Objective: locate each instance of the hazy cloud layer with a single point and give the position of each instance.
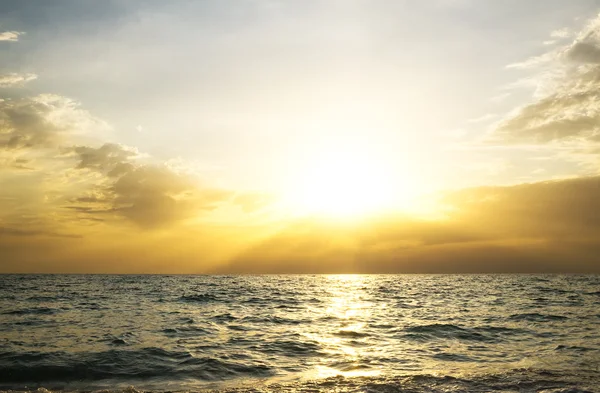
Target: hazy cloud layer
(547, 226)
(6, 231)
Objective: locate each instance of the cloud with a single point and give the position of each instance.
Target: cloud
(110, 181)
(15, 163)
(6, 231)
(10, 35)
(42, 121)
(558, 35)
(483, 118)
(536, 61)
(13, 79)
(553, 210)
(110, 158)
(561, 33)
(251, 202)
(154, 196)
(150, 196)
(586, 47)
(584, 52)
(569, 110)
(500, 97)
(546, 226)
(572, 111)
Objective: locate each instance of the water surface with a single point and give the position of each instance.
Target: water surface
(300, 333)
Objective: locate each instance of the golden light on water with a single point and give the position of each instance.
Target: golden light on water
(347, 305)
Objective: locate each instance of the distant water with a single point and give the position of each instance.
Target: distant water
(389, 333)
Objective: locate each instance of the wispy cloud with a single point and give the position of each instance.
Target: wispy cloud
(537, 61)
(561, 33)
(569, 110)
(483, 118)
(14, 79)
(10, 35)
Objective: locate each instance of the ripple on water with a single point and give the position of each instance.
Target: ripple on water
(198, 298)
(536, 317)
(445, 331)
(33, 311)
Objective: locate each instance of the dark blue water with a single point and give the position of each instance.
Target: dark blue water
(405, 333)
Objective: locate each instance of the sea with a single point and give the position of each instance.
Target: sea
(300, 333)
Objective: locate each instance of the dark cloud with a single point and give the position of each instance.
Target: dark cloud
(586, 48)
(153, 196)
(24, 124)
(110, 158)
(584, 52)
(90, 199)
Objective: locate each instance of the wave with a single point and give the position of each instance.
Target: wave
(32, 367)
(186, 331)
(351, 334)
(453, 357)
(511, 380)
(273, 319)
(198, 298)
(122, 340)
(288, 348)
(34, 311)
(444, 331)
(226, 317)
(536, 317)
(573, 348)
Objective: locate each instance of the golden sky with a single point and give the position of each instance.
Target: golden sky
(300, 137)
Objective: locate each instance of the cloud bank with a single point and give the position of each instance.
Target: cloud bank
(547, 226)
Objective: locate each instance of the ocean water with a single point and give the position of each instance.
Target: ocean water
(296, 333)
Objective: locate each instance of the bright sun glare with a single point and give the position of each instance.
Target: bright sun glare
(342, 182)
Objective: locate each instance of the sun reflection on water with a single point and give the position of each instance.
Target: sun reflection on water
(341, 341)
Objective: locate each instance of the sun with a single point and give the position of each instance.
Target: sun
(341, 182)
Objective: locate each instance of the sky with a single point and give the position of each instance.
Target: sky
(440, 136)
